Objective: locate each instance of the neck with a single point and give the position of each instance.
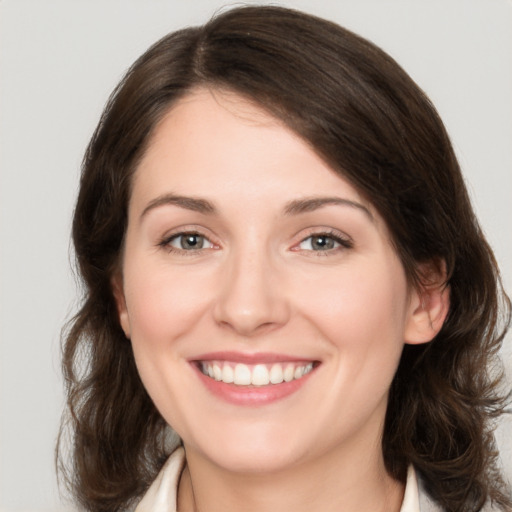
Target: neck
(330, 482)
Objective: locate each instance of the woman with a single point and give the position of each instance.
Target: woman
(282, 264)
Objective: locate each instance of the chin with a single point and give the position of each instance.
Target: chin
(246, 459)
(251, 451)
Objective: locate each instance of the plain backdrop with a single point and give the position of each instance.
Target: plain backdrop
(59, 61)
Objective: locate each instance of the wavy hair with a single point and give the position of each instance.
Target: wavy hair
(366, 117)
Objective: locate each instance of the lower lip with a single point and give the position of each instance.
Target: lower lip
(252, 395)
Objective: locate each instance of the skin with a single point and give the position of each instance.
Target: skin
(258, 285)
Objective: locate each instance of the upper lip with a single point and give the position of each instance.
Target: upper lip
(251, 358)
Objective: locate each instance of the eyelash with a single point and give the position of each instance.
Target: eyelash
(166, 243)
(342, 241)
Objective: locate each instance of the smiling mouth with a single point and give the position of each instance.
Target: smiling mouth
(241, 374)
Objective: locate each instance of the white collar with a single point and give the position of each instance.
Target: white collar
(162, 495)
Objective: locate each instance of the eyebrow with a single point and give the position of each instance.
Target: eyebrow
(189, 203)
(310, 204)
(294, 207)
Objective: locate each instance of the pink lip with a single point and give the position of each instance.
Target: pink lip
(250, 395)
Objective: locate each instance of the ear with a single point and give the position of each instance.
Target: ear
(429, 305)
(122, 312)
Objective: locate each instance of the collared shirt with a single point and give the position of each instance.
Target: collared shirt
(162, 495)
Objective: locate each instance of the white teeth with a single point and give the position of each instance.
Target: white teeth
(217, 372)
(257, 375)
(228, 375)
(242, 375)
(260, 376)
(276, 374)
(289, 373)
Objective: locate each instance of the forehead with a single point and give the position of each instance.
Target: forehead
(214, 124)
(211, 135)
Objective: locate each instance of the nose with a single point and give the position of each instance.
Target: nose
(251, 298)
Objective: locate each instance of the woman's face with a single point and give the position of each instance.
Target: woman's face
(264, 301)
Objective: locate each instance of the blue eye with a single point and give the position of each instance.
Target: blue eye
(188, 242)
(323, 242)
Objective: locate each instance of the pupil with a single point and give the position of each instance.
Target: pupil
(191, 241)
(322, 242)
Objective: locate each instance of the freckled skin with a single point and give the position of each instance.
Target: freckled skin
(259, 284)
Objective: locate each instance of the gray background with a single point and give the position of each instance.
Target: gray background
(60, 60)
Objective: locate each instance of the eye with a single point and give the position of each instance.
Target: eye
(188, 242)
(323, 242)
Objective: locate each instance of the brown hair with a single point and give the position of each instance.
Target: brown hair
(366, 117)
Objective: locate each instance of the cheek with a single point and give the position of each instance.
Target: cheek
(361, 309)
(163, 302)
(164, 306)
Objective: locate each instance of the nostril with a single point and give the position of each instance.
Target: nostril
(247, 327)
(247, 321)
